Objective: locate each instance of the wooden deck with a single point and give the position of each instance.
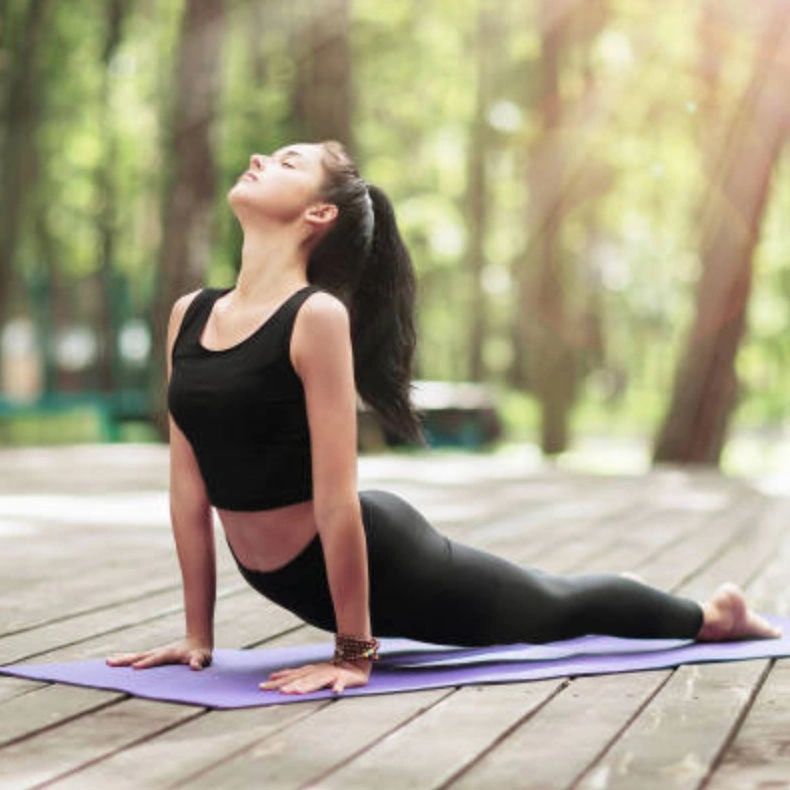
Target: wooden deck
(89, 568)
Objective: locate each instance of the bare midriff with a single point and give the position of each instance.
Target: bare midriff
(266, 540)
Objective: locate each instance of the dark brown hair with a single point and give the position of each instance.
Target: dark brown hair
(363, 260)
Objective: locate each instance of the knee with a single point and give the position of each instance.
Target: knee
(569, 599)
(546, 613)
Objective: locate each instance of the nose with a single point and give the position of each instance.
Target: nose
(256, 160)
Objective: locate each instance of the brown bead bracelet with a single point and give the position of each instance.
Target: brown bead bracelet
(350, 648)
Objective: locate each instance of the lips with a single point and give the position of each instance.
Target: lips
(250, 176)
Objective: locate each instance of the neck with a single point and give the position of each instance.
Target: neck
(272, 264)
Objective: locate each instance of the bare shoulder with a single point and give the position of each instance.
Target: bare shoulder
(322, 326)
(182, 303)
(174, 323)
(322, 311)
(179, 308)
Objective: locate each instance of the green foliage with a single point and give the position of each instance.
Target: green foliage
(630, 251)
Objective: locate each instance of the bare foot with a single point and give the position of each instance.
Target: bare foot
(727, 616)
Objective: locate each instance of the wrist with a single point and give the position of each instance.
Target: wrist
(365, 664)
(351, 648)
(200, 641)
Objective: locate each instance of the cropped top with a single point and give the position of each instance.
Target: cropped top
(242, 408)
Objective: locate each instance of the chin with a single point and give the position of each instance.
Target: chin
(235, 195)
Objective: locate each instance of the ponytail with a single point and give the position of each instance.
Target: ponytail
(382, 324)
(364, 261)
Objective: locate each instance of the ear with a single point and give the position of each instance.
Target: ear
(319, 215)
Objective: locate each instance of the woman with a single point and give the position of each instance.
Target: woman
(263, 428)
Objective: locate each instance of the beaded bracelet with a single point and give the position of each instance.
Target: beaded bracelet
(350, 648)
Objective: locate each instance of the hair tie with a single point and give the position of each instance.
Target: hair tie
(369, 218)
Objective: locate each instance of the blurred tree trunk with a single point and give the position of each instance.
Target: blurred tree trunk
(259, 15)
(21, 114)
(53, 378)
(106, 208)
(559, 180)
(187, 213)
(705, 386)
(714, 34)
(323, 98)
(591, 180)
(549, 360)
(476, 197)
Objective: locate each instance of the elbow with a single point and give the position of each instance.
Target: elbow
(187, 492)
(190, 509)
(338, 515)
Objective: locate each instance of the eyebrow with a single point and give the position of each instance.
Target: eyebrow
(290, 151)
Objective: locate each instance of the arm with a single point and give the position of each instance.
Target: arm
(190, 515)
(323, 358)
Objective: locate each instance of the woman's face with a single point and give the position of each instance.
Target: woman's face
(280, 185)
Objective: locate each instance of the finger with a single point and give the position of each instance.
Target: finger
(148, 661)
(285, 676)
(196, 662)
(125, 658)
(273, 684)
(339, 683)
(122, 656)
(316, 681)
(281, 683)
(293, 688)
(288, 670)
(290, 674)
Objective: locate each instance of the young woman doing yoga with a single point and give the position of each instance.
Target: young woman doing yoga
(263, 428)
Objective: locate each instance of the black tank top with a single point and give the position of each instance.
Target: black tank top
(242, 409)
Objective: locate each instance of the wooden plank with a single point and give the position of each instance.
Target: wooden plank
(531, 743)
(112, 578)
(273, 766)
(249, 739)
(646, 544)
(22, 762)
(86, 569)
(397, 744)
(49, 706)
(116, 722)
(92, 580)
(15, 687)
(678, 736)
(242, 616)
(389, 706)
(39, 641)
(388, 757)
(212, 731)
(759, 757)
(102, 586)
(74, 743)
(26, 715)
(657, 513)
(758, 753)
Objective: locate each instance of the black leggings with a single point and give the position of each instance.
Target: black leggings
(425, 586)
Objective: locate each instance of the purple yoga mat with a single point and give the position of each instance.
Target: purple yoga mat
(404, 665)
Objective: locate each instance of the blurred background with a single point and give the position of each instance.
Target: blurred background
(594, 194)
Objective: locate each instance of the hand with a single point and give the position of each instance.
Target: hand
(315, 676)
(184, 651)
